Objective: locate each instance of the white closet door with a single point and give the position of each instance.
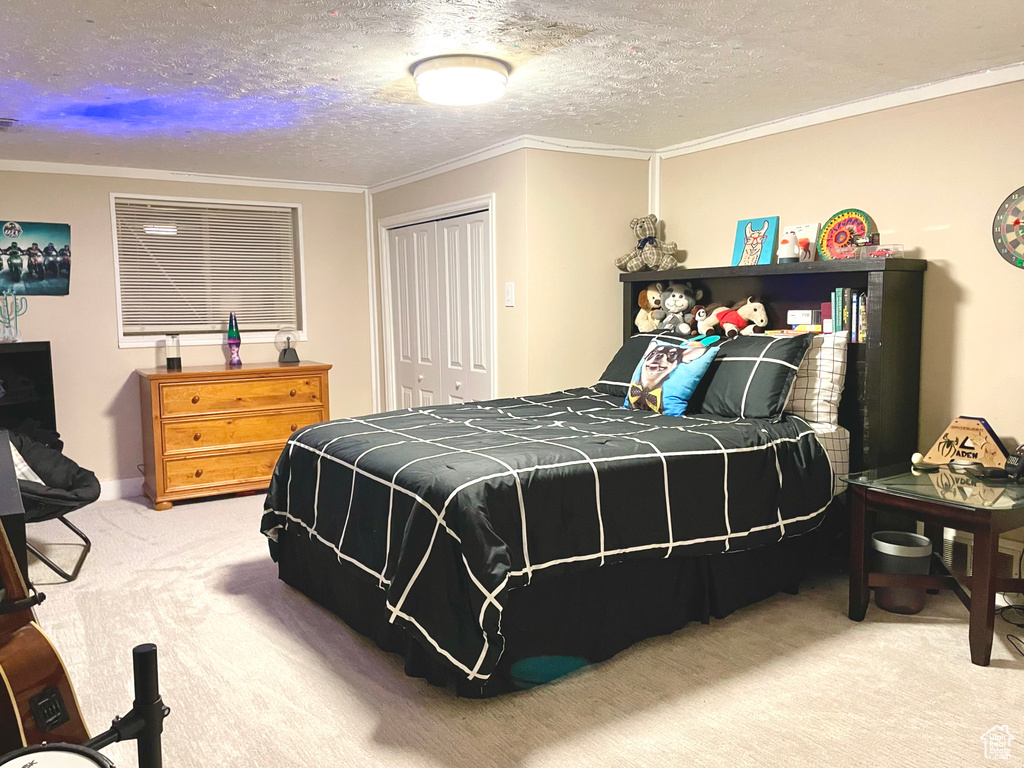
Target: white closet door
(441, 292)
(412, 253)
(465, 299)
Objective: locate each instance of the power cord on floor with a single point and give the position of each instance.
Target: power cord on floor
(1016, 642)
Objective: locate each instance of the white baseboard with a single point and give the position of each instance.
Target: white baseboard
(124, 488)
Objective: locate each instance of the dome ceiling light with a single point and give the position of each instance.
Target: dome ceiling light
(460, 80)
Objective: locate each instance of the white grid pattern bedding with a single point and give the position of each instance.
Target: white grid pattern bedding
(447, 508)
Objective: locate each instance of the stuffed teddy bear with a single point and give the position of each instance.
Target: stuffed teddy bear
(677, 304)
(650, 253)
(650, 302)
(745, 318)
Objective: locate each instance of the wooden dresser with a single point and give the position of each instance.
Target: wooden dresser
(210, 430)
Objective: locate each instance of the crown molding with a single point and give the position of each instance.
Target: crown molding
(514, 145)
(78, 169)
(949, 87)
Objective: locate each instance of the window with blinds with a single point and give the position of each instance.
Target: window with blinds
(182, 266)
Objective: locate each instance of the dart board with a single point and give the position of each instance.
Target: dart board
(1008, 229)
(838, 237)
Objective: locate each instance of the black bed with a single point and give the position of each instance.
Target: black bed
(468, 536)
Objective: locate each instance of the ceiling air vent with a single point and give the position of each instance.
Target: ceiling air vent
(8, 124)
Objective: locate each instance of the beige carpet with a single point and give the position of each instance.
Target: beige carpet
(257, 675)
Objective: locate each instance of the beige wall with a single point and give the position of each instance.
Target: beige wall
(931, 175)
(560, 220)
(578, 212)
(504, 177)
(95, 385)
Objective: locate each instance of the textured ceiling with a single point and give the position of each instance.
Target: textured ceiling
(319, 90)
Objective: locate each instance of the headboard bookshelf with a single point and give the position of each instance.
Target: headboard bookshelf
(880, 401)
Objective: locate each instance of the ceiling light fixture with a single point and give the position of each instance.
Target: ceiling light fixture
(460, 80)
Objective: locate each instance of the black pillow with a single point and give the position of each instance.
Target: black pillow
(750, 377)
(616, 377)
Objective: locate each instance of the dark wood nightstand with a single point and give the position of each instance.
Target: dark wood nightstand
(985, 508)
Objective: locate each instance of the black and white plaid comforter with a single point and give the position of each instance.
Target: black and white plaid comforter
(449, 507)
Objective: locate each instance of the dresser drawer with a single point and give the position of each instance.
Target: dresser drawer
(223, 469)
(239, 395)
(185, 435)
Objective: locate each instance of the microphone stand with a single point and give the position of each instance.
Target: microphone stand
(145, 721)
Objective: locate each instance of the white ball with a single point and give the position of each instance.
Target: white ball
(917, 458)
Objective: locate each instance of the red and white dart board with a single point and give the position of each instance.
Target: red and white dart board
(1008, 229)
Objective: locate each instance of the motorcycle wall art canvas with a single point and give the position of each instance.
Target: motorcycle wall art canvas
(35, 258)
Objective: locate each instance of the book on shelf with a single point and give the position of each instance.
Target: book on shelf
(854, 315)
(862, 321)
(849, 312)
(847, 309)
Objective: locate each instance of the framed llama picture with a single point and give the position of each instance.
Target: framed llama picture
(756, 241)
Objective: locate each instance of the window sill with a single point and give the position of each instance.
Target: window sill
(200, 339)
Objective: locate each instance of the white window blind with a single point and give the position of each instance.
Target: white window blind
(183, 266)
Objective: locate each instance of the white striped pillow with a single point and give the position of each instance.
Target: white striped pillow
(820, 379)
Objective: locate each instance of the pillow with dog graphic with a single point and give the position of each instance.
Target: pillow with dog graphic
(668, 373)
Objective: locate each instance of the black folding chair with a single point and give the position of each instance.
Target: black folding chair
(65, 488)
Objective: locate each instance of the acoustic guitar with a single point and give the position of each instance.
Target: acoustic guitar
(37, 702)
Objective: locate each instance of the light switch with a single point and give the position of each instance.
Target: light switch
(510, 294)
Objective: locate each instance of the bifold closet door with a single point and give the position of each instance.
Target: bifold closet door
(415, 334)
(466, 296)
(442, 294)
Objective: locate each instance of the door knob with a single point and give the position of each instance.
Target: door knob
(458, 385)
(420, 377)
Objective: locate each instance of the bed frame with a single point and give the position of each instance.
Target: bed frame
(580, 614)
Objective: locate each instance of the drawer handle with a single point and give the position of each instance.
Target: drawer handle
(197, 436)
(199, 473)
(294, 427)
(292, 393)
(195, 399)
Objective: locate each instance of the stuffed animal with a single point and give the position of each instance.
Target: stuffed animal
(746, 317)
(650, 253)
(650, 302)
(677, 304)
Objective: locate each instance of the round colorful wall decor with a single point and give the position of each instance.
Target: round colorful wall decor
(1008, 229)
(839, 235)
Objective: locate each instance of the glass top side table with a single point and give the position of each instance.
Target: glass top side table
(943, 498)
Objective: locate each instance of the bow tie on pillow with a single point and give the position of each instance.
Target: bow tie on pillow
(643, 400)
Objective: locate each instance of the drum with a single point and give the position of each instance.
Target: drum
(55, 756)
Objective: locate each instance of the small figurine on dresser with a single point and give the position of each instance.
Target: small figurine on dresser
(234, 341)
(650, 252)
